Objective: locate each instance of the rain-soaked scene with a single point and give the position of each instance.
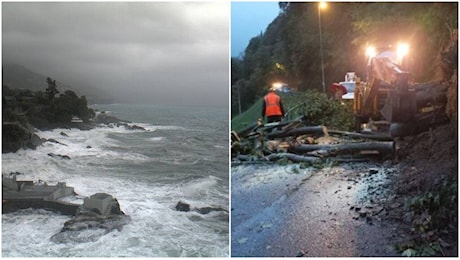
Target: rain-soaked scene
(344, 130)
(115, 129)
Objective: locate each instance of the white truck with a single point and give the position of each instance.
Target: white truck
(350, 85)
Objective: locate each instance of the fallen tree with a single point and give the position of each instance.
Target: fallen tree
(294, 132)
(383, 148)
(297, 142)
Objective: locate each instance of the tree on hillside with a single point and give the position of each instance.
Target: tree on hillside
(51, 91)
(68, 105)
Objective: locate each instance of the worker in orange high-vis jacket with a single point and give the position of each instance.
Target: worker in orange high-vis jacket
(272, 107)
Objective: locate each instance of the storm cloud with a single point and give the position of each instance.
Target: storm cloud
(138, 51)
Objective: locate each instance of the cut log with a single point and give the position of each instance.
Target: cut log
(244, 157)
(370, 136)
(313, 130)
(430, 93)
(383, 148)
(252, 127)
(282, 125)
(292, 157)
(420, 124)
(296, 158)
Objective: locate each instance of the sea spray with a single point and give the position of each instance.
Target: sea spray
(182, 155)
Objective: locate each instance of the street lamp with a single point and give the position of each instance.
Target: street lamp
(239, 97)
(321, 5)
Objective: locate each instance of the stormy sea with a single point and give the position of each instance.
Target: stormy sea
(182, 155)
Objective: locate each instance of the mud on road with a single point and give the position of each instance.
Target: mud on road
(292, 211)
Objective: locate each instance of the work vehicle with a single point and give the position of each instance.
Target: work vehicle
(350, 85)
(386, 93)
(345, 90)
(281, 87)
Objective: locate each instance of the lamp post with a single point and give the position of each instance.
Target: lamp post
(239, 97)
(321, 5)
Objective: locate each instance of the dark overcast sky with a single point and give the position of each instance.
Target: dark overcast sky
(141, 52)
(248, 20)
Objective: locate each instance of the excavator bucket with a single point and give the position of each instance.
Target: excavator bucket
(400, 106)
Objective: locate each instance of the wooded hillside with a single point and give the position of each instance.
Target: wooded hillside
(289, 50)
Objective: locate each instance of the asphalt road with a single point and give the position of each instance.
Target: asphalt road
(286, 211)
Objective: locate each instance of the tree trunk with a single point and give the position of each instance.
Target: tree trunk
(370, 136)
(420, 124)
(296, 158)
(382, 148)
(314, 130)
(292, 157)
(430, 93)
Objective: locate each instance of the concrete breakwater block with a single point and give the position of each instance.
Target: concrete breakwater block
(99, 215)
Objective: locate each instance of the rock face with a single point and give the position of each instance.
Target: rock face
(108, 120)
(105, 119)
(65, 157)
(182, 206)
(15, 136)
(99, 215)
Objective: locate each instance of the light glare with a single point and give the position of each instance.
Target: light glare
(277, 85)
(403, 49)
(322, 5)
(370, 52)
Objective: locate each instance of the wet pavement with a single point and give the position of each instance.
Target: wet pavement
(289, 211)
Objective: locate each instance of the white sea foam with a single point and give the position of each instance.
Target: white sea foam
(100, 163)
(156, 228)
(150, 127)
(157, 138)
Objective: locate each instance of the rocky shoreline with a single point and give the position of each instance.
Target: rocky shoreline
(17, 135)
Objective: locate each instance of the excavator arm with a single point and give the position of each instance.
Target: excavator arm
(386, 94)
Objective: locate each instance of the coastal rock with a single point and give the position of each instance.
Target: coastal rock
(105, 119)
(132, 127)
(82, 126)
(181, 206)
(65, 157)
(34, 141)
(108, 120)
(52, 140)
(185, 207)
(99, 215)
(16, 136)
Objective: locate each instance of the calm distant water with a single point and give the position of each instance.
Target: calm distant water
(183, 155)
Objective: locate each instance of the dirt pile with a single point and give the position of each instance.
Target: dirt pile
(428, 183)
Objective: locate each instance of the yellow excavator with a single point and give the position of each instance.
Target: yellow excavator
(388, 94)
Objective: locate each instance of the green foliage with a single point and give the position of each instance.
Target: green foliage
(436, 207)
(429, 214)
(320, 110)
(409, 252)
(42, 108)
(248, 117)
(283, 161)
(317, 107)
(51, 90)
(428, 249)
